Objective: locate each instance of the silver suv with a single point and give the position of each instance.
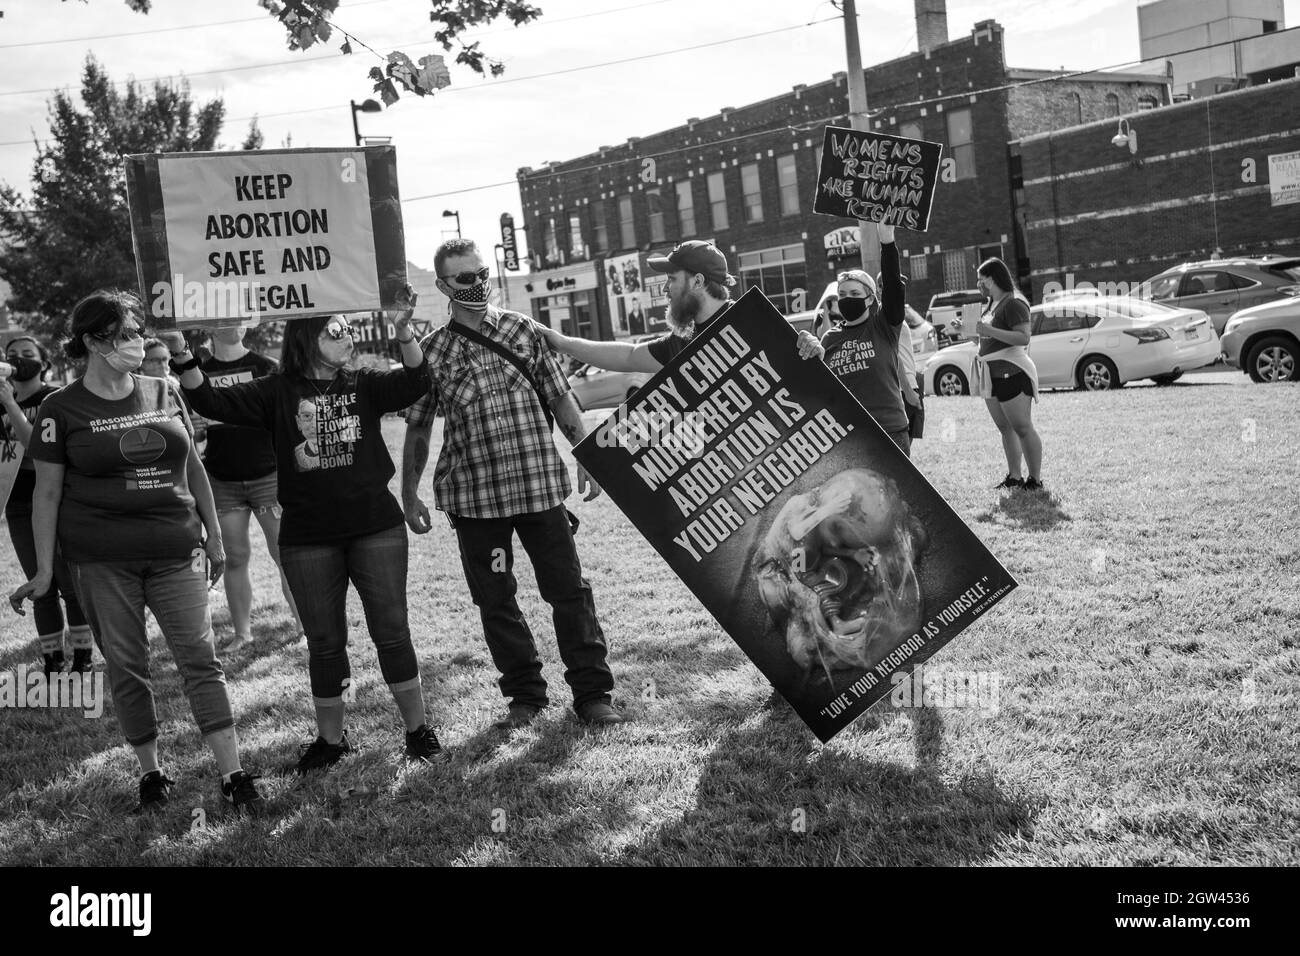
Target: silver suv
(1220, 287)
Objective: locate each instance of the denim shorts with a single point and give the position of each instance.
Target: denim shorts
(258, 496)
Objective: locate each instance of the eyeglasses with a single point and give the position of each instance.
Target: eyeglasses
(469, 278)
(336, 332)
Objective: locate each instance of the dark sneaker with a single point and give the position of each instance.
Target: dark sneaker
(1033, 484)
(519, 715)
(81, 660)
(320, 755)
(422, 744)
(1009, 482)
(154, 788)
(598, 713)
(241, 795)
(53, 663)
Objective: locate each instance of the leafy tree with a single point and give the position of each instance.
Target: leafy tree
(73, 234)
(307, 22)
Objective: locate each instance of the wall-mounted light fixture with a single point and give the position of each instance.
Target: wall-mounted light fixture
(1125, 135)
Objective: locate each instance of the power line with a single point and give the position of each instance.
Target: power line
(141, 33)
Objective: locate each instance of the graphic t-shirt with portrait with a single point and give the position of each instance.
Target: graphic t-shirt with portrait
(24, 482)
(126, 495)
(333, 466)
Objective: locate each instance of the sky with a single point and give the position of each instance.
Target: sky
(462, 147)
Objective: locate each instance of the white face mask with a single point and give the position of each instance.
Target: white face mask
(126, 357)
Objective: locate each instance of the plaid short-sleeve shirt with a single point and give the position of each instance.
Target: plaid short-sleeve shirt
(498, 458)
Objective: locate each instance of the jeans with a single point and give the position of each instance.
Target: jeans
(114, 595)
(487, 556)
(48, 617)
(318, 576)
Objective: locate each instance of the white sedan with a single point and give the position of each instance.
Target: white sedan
(1094, 343)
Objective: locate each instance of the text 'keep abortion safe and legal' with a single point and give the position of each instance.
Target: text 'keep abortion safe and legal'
(722, 438)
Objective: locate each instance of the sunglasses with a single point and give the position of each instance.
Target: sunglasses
(336, 332)
(121, 335)
(469, 278)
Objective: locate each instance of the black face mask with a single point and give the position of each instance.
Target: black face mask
(25, 369)
(853, 309)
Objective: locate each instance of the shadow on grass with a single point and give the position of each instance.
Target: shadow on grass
(1026, 511)
(770, 795)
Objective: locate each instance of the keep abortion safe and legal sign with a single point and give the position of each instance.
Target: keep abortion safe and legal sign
(272, 234)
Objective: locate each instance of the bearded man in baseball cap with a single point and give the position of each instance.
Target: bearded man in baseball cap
(698, 289)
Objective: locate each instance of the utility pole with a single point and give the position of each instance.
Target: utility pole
(868, 244)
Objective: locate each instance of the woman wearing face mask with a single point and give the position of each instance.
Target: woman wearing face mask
(863, 348)
(20, 395)
(119, 482)
(1005, 375)
(340, 523)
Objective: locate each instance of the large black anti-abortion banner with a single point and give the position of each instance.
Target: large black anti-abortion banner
(793, 517)
(268, 234)
(877, 177)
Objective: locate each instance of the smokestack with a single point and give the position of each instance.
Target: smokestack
(931, 24)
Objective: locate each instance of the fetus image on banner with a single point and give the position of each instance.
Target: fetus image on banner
(837, 572)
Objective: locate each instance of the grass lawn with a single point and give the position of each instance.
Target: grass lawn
(1149, 666)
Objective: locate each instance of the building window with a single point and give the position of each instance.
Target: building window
(599, 230)
(577, 248)
(910, 130)
(718, 201)
(787, 182)
(626, 224)
(960, 146)
(919, 266)
(752, 192)
(655, 206)
(1076, 108)
(552, 245)
(1112, 104)
(780, 273)
(956, 273)
(685, 209)
(1147, 103)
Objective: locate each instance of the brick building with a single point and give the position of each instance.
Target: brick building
(746, 176)
(1198, 180)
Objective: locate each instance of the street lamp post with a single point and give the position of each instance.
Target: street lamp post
(499, 258)
(868, 244)
(368, 106)
(453, 212)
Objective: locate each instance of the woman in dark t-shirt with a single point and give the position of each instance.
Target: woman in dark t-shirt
(119, 482)
(240, 462)
(20, 396)
(340, 522)
(862, 349)
(1005, 374)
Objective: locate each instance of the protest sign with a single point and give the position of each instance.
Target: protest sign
(11, 459)
(270, 234)
(792, 516)
(877, 177)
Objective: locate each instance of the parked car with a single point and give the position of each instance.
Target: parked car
(925, 339)
(1220, 287)
(802, 321)
(599, 388)
(1264, 341)
(1094, 343)
(949, 310)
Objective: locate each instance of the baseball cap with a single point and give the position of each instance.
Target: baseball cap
(695, 255)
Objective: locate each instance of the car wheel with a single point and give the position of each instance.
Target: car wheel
(1167, 379)
(949, 380)
(1273, 360)
(1097, 374)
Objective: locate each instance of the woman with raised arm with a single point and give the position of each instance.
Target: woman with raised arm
(340, 522)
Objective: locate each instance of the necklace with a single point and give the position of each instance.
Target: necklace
(328, 388)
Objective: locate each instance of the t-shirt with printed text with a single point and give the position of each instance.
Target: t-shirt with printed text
(126, 494)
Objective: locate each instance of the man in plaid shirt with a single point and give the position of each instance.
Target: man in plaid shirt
(500, 474)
